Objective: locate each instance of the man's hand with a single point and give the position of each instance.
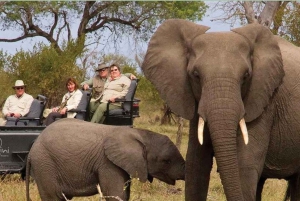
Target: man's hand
(85, 86)
(54, 109)
(17, 115)
(132, 77)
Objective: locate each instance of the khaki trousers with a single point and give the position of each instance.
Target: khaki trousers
(98, 116)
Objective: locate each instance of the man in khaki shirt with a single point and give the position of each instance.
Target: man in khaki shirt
(17, 105)
(116, 86)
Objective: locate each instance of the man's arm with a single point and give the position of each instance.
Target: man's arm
(130, 76)
(87, 83)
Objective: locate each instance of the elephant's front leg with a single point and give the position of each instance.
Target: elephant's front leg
(198, 164)
(114, 183)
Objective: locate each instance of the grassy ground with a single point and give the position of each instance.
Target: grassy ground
(13, 189)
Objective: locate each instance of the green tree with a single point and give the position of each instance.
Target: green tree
(288, 20)
(51, 19)
(282, 17)
(6, 80)
(71, 27)
(43, 70)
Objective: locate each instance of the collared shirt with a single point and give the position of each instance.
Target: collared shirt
(14, 104)
(73, 99)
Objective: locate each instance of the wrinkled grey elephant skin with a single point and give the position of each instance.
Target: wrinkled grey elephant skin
(226, 80)
(71, 157)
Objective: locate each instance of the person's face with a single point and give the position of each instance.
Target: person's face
(103, 72)
(114, 71)
(20, 90)
(71, 86)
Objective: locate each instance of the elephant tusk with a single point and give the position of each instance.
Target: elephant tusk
(200, 130)
(244, 130)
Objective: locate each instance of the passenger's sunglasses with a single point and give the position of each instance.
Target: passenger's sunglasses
(102, 70)
(112, 70)
(18, 88)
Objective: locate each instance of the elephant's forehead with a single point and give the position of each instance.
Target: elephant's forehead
(219, 47)
(229, 41)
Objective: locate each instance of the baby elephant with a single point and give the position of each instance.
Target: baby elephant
(71, 157)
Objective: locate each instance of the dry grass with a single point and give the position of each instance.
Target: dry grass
(13, 189)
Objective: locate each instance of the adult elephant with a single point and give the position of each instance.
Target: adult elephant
(71, 157)
(220, 81)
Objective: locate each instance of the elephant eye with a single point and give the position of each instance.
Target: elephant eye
(246, 75)
(196, 74)
(167, 161)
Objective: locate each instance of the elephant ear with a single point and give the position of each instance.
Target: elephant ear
(129, 153)
(267, 72)
(166, 60)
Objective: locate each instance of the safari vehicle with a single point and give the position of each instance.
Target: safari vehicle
(18, 135)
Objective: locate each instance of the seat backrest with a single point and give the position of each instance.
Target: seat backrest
(83, 105)
(130, 95)
(84, 100)
(36, 109)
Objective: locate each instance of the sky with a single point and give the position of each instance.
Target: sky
(126, 48)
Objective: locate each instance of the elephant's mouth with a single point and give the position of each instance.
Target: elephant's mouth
(150, 178)
(164, 178)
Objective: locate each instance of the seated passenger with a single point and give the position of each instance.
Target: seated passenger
(70, 101)
(17, 105)
(116, 86)
(97, 85)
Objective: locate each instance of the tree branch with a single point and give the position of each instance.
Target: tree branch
(249, 12)
(267, 15)
(19, 38)
(54, 23)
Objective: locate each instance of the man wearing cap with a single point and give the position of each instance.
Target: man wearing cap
(97, 85)
(17, 105)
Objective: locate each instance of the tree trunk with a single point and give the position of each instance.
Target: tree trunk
(249, 12)
(267, 15)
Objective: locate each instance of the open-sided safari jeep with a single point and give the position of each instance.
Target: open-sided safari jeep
(18, 135)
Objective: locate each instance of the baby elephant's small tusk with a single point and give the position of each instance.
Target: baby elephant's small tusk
(244, 130)
(200, 130)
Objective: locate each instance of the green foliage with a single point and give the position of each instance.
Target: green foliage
(43, 70)
(5, 79)
(291, 18)
(49, 19)
(54, 19)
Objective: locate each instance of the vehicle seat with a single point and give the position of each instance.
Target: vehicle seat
(34, 116)
(129, 110)
(82, 108)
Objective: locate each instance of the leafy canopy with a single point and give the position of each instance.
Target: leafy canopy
(87, 22)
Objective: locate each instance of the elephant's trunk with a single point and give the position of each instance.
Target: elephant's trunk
(222, 108)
